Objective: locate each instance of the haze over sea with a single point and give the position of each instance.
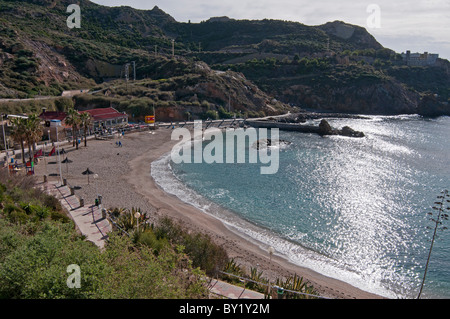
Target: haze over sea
(350, 208)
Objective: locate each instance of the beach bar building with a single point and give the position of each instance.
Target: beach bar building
(106, 118)
(103, 118)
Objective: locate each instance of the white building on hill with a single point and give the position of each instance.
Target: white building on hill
(420, 59)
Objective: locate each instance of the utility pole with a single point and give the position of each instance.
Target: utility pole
(134, 70)
(156, 51)
(173, 48)
(328, 46)
(127, 74)
(199, 47)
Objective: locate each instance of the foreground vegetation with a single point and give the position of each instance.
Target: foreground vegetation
(38, 242)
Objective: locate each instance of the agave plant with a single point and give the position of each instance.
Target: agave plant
(297, 284)
(232, 267)
(256, 277)
(126, 219)
(441, 207)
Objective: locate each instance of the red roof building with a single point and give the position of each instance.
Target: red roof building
(48, 116)
(102, 117)
(54, 116)
(107, 117)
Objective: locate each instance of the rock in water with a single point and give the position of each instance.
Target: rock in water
(325, 128)
(430, 106)
(348, 131)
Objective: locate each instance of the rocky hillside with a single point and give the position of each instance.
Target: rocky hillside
(257, 66)
(198, 93)
(361, 81)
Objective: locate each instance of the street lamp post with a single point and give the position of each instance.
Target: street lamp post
(271, 251)
(137, 215)
(59, 156)
(95, 181)
(45, 149)
(4, 136)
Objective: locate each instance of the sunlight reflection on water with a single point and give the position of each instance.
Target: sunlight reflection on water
(356, 205)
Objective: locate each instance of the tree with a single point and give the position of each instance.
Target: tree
(33, 132)
(73, 119)
(27, 130)
(85, 123)
(383, 54)
(63, 104)
(18, 133)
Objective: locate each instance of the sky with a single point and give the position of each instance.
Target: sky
(416, 25)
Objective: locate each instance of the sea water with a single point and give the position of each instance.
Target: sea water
(354, 209)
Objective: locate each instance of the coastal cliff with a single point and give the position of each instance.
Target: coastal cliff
(387, 98)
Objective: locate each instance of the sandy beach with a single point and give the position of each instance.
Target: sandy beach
(124, 180)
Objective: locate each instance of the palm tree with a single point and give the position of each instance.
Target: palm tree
(18, 133)
(34, 132)
(85, 123)
(27, 130)
(73, 119)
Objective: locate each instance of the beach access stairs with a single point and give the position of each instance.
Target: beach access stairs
(88, 219)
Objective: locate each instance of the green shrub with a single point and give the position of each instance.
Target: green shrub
(15, 214)
(33, 265)
(224, 114)
(52, 203)
(210, 114)
(23, 203)
(203, 252)
(149, 239)
(63, 104)
(60, 217)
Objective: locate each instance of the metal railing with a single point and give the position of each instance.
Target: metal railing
(273, 286)
(115, 224)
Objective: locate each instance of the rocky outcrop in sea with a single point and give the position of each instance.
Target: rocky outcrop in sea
(326, 129)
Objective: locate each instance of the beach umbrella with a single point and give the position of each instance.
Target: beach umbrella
(67, 161)
(88, 172)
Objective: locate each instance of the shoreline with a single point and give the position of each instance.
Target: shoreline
(131, 165)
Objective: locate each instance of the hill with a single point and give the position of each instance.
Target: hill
(249, 66)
